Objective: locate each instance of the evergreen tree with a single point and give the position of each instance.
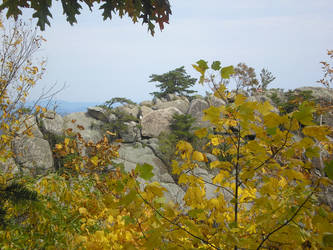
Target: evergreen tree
(174, 82)
(13, 193)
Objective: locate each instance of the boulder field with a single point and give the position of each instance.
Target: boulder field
(33, 155)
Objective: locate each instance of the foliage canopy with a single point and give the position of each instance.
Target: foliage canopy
(149, 11)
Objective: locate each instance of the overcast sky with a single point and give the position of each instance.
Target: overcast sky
(99, 60)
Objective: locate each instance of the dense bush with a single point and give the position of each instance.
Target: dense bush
(181, 128)
(118, 125)
(292, 100)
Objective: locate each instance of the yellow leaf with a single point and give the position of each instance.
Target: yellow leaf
(266, 108)
(221, 164)
(252, 229)
(58, 146)
(66, 141)
(215, 164)
(200, 133)
(240, 99)
(110, 219)
(100, 235)
(215, 141)
(18, 41)
(198, 156)
(94, 160)
(37, 109)
(230, 123)
(318, 132)
(155, 188)
(220, 177)
(83, 211)
(184, 148)
(220, 92)
(81, 238)
(110, 133)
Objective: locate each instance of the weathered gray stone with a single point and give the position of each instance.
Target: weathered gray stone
(145, 111)
(132, 110)
(157, 121)
(156, 101)
(171, 97)
(146, 103)
(318, 93)
(260, 98)
(29, 122)
(139, 154)
(112, 117)
(51, 122)
(132, 133)
(131, 155)
(91, 131)
(33, 155)
(196, 109)
(174, 193)
(179, 104)
(98, 113)
(214, 101)
(9, 166)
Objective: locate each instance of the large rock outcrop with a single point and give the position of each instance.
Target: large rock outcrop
(91, 127)
(158, 121)
(181, 105)
(196, 109)
(51, 123)
(32, 155)
(131, 155)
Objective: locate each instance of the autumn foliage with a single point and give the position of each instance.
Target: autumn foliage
(148, 11)
(267, 194)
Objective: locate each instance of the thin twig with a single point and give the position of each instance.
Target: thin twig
(288, 221)
(180, 227)
(215, 185)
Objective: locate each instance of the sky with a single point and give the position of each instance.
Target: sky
(98, 60)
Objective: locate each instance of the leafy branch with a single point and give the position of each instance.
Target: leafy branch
(287, 221)
(175, 224)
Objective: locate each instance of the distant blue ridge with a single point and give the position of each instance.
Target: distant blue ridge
(64, 107)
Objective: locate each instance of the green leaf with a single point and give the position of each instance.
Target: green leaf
(271, 131)
(119, 186)
(322, 212)
(329, 169)
(227, 71)
(202, 64)
(71, 8)
(304, 115)
(216, 65)
(195, 212)
(128, 220)
(212, 114)
(42, 12)
(127, 199)
(201, 67)
(312, 152)
(144, 171)
(328, 240)
(201, 133)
